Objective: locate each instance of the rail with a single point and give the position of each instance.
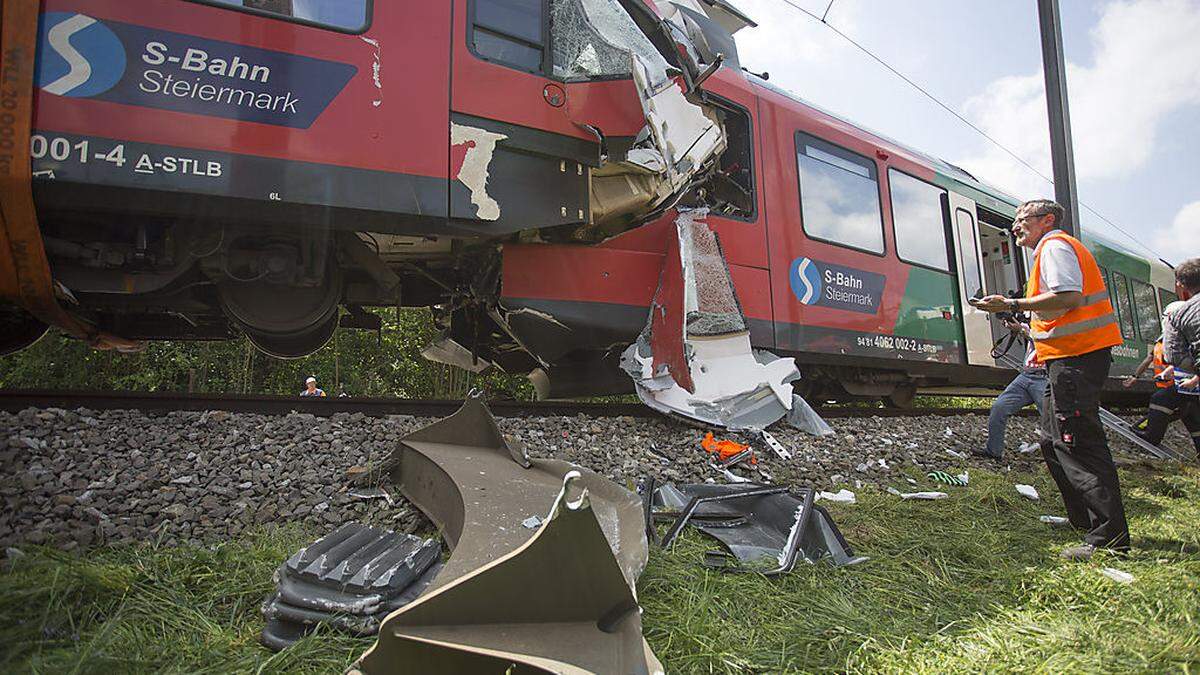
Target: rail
(19, 399)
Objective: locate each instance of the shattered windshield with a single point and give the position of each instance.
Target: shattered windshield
(593, 38)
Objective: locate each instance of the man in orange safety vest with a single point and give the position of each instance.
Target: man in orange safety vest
(1074, 330)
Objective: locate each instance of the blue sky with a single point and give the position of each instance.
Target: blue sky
(1133, 81)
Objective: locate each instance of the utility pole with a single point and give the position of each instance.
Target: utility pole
(1061, 154)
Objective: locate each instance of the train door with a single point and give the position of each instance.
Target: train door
(971, 283)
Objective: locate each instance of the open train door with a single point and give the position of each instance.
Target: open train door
(977, 329)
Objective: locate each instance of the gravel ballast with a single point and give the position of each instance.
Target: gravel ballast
(80, 478)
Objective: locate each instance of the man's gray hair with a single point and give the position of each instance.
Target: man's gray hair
(1188, 274)
(1041, 207)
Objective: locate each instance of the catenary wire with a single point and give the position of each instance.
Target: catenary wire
(959, 117)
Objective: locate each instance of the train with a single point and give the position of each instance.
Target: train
(203, 169)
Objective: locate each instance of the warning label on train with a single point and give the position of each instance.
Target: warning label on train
(82, 57)
(827, 285)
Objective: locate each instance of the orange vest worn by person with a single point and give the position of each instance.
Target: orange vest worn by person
(1084, 329)
(1159, 366)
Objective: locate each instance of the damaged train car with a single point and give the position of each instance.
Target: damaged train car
(594, 192)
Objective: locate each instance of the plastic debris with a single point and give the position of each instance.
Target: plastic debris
(842, 496)
(957, 454)
(946, 478)
(1027, 448)
(532, 522)
(1117, 575)
(724, 449)
(949, 433)
(1054, 520)
(917, 495)
(373, 493)
(1028, 491)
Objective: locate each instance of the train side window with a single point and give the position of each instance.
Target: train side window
(1166, 297)
(511, 32)
(351, 16)
(1146, 307)
(1123, 305)
(839, 195)
(968, 253)
(917, 221)
(591, 39)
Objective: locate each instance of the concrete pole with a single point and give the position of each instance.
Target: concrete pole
(1061, 154)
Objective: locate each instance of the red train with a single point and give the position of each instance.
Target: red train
(208, 167)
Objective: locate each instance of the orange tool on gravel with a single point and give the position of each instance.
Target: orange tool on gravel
(724, 449)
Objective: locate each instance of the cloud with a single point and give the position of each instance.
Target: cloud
(1146, 65)
(1181, 239)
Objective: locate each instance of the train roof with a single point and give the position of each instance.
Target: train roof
(996, 197)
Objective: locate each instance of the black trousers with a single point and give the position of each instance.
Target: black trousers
(1076, 449)
(1165, 405)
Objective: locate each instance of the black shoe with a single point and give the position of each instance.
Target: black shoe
(985, 454)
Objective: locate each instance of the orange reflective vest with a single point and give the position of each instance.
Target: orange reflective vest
(1081, 330)
(1159, 366)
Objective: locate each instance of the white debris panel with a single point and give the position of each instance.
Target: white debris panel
(694, 358)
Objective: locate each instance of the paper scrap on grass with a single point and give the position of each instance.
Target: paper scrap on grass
(1028, 491)
(1117, 575)
(842, 496)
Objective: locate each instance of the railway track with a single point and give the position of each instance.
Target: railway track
(14, 400)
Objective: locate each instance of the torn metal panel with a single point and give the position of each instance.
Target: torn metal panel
(714, 376)
(560, 599)
(446, 350)
(685, 134)
(765, 529)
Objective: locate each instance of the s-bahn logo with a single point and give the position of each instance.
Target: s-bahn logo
(82, 57)
(79, 56)
(827, 285)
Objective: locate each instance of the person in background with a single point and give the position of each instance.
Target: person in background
(1181, 326)
(1029, 386)
(310, 388)
(1074, 330)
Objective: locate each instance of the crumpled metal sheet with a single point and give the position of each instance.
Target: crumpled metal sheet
(694, 359)
(559, 599)
(765, 529)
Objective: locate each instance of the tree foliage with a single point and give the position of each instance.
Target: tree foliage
(355, 362)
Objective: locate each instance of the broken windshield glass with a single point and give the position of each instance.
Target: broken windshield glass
(593, 38)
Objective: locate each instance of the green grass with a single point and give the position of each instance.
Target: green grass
(971, 583)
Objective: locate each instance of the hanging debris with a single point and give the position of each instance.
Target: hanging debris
(694, 358)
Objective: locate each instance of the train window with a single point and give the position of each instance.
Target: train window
(968, 253)
(917, 221)
(839, 195)
(591, 39)
(1146, 306)
(1123, 305)
(510, 32)
(1166, 297)
(346, 15)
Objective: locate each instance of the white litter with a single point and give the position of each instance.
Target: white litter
(532, 522)
(948, 432)
(917, 495)
(1117, 575)
(1027, 448)
(883, 463)
(955, 453)
(1054, 520)
(842, 496)
(965, 477)
(373, 493)
(1028, 491)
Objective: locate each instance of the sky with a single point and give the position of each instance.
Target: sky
(1133, 81)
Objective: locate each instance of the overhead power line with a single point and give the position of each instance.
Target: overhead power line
(925, 92)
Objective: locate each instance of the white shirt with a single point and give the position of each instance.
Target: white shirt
(1059, 271)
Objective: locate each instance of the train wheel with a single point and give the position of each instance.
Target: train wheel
(18, 329)
(284, 321)
(295, 345)
(901, 398)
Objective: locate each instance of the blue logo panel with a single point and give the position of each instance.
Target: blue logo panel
(79, 56)
(828, 285)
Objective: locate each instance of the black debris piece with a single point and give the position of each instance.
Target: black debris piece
(765, 529)
(351, 579)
